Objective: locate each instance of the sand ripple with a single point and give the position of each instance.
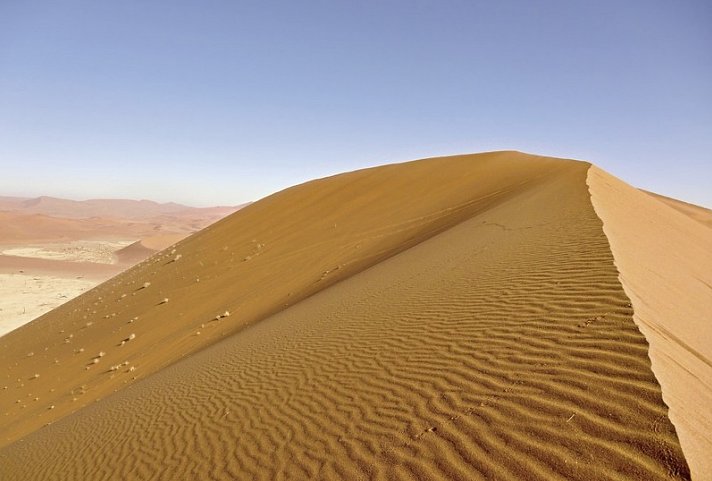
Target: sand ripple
(502, 348)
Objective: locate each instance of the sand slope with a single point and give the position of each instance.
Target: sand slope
(665, 259)
(700, 214)
(454, 318)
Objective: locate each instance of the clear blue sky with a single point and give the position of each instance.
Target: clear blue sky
(220, 102)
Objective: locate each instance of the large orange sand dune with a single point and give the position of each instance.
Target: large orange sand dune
(452, 318)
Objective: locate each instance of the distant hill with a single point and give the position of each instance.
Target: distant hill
(700, 214)
(50, 218)
(121, 208)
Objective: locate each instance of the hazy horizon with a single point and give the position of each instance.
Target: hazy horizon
(119, 199)
(221, 105)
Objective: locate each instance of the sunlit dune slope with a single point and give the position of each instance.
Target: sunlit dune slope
(479, 331)
(264, 257)
(664, 255)
(125, 209)
(700, 214)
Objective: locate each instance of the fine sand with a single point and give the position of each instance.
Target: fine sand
(670, 285)
(700, 214)
(452, 318)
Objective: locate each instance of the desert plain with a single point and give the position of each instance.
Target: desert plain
(52, 250)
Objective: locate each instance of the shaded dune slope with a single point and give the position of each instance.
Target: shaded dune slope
(478, 331)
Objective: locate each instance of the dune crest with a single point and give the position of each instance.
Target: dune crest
(665, 261)
(449, 318)
(700, 214)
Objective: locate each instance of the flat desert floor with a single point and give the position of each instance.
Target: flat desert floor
(24, 297)
(36, 278)
(52, 250)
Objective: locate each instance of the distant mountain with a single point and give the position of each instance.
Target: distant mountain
(52, 219)
(121, 208)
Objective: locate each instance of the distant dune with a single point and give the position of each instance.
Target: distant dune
(118, 208)
(466, 317)
(143, 248)
(700, 214)
(22, 228)
(51, 219)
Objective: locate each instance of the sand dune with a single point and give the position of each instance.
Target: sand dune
(670, 285)
(117, 208)
(452, 318)
(22, 227)
(144, 248)
(700, 214)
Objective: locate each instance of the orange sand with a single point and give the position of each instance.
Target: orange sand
(452, 318)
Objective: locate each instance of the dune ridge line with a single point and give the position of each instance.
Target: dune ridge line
(451, 318)
(664, 259)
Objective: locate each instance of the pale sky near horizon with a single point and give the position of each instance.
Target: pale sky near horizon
(221, 102)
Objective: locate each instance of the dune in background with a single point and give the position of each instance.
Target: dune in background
(145, 211)
(51, 250)
(700, 214)
(450, 318)
(48, 219)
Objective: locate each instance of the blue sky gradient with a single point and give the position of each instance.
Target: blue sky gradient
(220, 102)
